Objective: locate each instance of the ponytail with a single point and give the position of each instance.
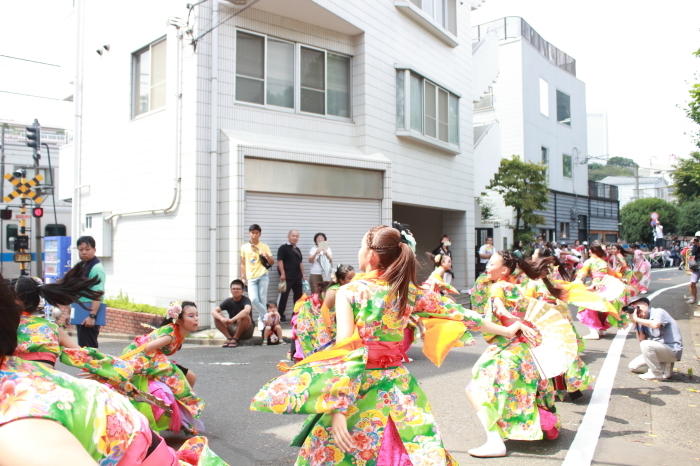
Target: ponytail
(69, 289)
(546, 252)
(397, 261)
(535, 271)
(9, 320)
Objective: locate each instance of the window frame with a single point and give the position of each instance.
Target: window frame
(544, 159)
(564, 164)
(569, 124)
(296, 109)
(406, 129)
(546, 97)
(134, 80)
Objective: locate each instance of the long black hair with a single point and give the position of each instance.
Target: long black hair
(598, 251)
(65, 291)
(535, 271)
(9, 320)
(546, 252)
(341, 272)
(170, 320)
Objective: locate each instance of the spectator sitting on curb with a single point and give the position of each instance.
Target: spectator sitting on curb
(660, 340)
(238, 308)
(272, 333)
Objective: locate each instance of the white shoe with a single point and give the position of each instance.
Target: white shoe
(594, 335)
(650, 376)
(493, 448)
(668, 369)
(690, 301)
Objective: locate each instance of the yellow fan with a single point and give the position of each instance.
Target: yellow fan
(558, 348)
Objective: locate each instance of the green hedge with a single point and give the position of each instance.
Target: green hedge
(122, 301)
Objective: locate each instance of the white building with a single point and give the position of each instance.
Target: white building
(641, 188)
(598, 135)
(535, 109)
(323, 116)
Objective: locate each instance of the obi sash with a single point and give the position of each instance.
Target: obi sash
(384, 354)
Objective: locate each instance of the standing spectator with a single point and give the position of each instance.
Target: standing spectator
(256, 259)
(485, 252)
(316, 257)
(238, 308)
(658, 234)
(540, 243)
(694, 274)
(676, 253)
(88, 331)
(444, 250)
(291, 268)
(660, 341)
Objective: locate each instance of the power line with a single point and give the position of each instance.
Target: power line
(33, 61)
(30, 95)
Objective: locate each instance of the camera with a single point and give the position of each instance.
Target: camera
(630, 309)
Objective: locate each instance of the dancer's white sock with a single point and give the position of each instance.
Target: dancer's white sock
(494, 445)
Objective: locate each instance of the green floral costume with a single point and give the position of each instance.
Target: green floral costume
(506, 383)
(369, 398)
(312, 332)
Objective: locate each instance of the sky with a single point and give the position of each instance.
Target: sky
(634, 56)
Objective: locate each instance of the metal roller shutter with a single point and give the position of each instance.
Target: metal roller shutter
(343, 220)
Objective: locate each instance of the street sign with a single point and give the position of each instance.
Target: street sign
(654, 216)
(24, 188)
(23, 257)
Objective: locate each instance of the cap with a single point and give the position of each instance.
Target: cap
(697, 233)
(641, 298)
(585, 242)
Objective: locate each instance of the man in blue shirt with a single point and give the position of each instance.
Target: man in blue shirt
(660, 341)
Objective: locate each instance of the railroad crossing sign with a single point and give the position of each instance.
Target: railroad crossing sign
(24, 188)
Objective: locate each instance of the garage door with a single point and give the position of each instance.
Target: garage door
(344, 221)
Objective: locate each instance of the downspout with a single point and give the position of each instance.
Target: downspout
(78, 131)
(214, 154)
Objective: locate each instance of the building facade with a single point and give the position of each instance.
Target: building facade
(598, 136)
(535, 109)
(322, 116)
(632, 188)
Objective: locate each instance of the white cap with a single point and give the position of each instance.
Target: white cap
(697, 233)
(585, 242)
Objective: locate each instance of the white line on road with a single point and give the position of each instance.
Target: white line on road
(582, 448)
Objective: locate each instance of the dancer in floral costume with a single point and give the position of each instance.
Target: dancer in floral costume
(596, 268)
(482, 287)
(617, 261)
(156, 374)
(82, 422)
(315, 320)
(367, 408)
(506, 391)
(641, 277)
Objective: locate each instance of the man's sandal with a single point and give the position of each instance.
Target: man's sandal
(225, 345)
(233, 343)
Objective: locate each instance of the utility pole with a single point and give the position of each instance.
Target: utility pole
(636, 182)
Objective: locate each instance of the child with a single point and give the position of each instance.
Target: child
(271, 320)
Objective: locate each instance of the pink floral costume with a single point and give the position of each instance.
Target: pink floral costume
(597, 269)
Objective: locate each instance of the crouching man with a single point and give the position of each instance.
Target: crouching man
(660, 341)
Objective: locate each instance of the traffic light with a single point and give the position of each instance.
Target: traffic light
(6, 214)
(34, 138)
(38, 212)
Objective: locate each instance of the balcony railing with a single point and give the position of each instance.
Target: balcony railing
(53, 137)
(603, 191)
(484, 103)
(513, 27)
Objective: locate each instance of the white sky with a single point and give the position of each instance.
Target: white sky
(634, 56)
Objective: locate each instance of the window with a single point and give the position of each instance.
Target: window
(266, 75)
(11, 234)
(433, 112)
(544, 97)
(563, 229)
(545, 159)
(443, 12)
(563, 108)
(54, 230)
(567, 168)
(149, 78)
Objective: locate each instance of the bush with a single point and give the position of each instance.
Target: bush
(689, 221)
(635, 219)
(122, 301)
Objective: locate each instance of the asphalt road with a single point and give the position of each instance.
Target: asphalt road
(646, 423)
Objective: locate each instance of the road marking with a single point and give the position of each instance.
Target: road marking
(582, 448)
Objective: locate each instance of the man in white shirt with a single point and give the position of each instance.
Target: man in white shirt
(659, 234)
(486, 251)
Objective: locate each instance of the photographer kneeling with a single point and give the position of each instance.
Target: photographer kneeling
(660, 341)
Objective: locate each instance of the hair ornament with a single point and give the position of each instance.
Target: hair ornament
(38, 281)
(174, 311)
(406, 236)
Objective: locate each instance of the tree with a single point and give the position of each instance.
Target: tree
(686, 178)
(689, 218)
(693, 110)
(523, 186)
(597, 172)
(635, 219)
(622, 162)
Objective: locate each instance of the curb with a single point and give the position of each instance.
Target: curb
(256, 340)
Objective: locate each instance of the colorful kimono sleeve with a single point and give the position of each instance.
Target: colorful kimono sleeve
(323, 385)
(446, 324)
(583, 272)
(95, 362)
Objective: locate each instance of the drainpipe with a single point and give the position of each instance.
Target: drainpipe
(214, 154)
(78, 130)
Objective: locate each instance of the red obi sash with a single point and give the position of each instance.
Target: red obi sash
(40, 356)
(384, 354)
